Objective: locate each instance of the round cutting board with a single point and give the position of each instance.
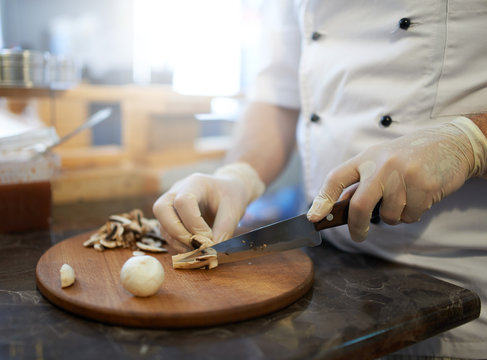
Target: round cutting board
(188, 298)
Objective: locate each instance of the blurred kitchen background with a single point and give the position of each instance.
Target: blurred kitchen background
(175, 74)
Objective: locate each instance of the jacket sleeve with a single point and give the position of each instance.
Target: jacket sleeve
(277, 78)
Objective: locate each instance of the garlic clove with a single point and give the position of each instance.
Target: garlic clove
(67, 275)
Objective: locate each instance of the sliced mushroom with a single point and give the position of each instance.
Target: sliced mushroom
(151, 242)
(112, 229)
(98, 247)
(133, 226)
(148, 241)
(155, 237)
(212, 263)
(137, 215)
(120, 219)
(94, 239)
(151, 226)
(201, 242)
(119, 230)
(203, 259)
(151, 248)
(110, 244)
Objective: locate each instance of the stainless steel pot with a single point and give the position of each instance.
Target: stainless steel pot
(24, 68)
(64, 72)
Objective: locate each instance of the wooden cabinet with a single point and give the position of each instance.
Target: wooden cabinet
(157, 132)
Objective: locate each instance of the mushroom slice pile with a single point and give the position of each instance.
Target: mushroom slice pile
(128, 230)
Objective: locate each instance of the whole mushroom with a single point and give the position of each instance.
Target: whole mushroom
(142, 275)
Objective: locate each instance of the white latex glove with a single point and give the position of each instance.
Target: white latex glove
(409, 174)
(194, 202)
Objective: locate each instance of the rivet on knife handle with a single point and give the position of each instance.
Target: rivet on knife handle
(339, 215)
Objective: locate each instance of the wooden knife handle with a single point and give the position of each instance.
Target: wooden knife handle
(339, 215)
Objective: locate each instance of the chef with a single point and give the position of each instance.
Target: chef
(388, 102)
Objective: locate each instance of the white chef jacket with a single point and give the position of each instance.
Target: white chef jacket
(363, 72)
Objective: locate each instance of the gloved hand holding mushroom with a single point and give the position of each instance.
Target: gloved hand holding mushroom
(207, 205)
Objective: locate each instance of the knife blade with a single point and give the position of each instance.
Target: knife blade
(289, 234)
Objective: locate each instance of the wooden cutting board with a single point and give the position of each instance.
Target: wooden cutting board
(187, 298)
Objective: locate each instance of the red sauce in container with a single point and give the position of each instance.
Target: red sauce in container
(25, 206)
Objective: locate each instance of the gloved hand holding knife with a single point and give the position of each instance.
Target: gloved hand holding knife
(409, 174)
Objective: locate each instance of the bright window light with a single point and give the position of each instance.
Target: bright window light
(198, 41)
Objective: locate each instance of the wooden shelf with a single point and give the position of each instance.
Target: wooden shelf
(28, 92)
(114, 182)
(91, 157)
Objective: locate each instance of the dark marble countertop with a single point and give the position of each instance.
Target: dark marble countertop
(359, 308)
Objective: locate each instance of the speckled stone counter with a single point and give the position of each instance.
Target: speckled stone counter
(359, 308)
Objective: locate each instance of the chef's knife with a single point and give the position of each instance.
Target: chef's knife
(289, 234)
